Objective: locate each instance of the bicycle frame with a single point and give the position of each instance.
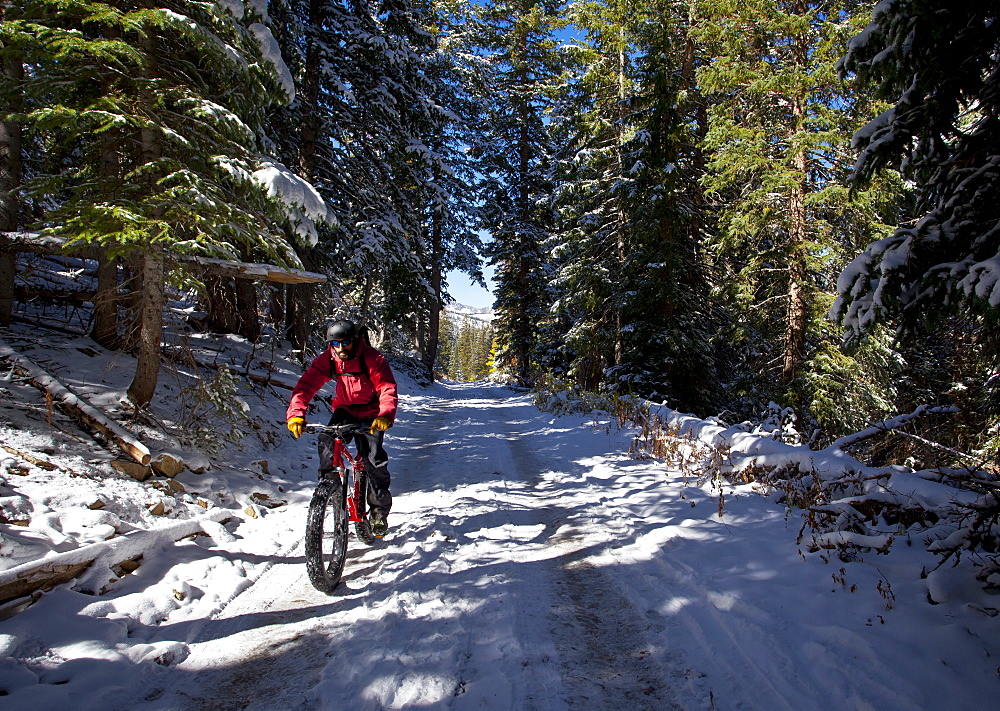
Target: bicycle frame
(350, 474)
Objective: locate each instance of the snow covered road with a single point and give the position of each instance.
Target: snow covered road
(530, 564)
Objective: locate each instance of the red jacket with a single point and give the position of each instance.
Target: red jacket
(366, 396)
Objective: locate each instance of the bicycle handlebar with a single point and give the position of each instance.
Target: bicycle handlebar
(338, 430)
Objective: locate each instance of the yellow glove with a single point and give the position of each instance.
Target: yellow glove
(296, 425)
(379, 424)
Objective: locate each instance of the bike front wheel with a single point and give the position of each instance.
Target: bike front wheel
(326, 535)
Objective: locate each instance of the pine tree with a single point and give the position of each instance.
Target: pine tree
(182, 91)
(667, 320)
(380, 130)
(934, 278)
(583, 334)
(446, 338)
(12, 74)
(456, 81)
(630, 285)
(514, 154)
(779, 125)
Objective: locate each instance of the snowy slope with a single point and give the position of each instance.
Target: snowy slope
(461, 312)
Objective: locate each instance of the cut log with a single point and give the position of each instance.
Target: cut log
(76, 407)
(43, 577)
(139, 472)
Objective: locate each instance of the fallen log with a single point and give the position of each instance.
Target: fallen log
(30, 458)
(891, 425)
(43, 463)
(44, 577)
(75, 406)
(92, 565)
(249, 270)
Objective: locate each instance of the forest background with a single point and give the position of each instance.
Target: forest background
(764, 208)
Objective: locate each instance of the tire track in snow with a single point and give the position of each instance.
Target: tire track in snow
(605, 658)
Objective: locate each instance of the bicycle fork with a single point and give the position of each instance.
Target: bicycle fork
(356, 502)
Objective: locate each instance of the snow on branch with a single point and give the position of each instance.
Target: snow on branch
(851, 507)
(272, 53)
(893, 423)
(303, 204)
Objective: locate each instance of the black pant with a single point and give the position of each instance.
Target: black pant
(371, 450)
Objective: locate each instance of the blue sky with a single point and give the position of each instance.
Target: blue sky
(465, 292)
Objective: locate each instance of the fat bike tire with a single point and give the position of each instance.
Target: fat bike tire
(326, 535)
(363, 528)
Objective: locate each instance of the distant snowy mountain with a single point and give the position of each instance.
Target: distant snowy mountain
(461, 311)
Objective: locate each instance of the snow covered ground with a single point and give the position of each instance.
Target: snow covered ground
(530, 565)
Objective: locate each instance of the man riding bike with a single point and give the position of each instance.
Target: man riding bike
(365, 394)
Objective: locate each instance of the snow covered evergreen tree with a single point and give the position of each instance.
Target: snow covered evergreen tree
(11, 76)
(938, 63)
(935, 278)
(630, 289)
(667, 315)
(360, 103)
(378, 127)
(455, 82)
(514, 154)
(583, 335)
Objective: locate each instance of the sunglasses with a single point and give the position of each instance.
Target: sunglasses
(342, 344)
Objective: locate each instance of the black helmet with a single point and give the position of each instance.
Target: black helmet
(342, 330)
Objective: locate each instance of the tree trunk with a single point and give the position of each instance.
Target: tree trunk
(147, 367)
(8, 270)
(276, 304)
(220, 297)
(150, 311)
(298, 314)
(132, 298)
(796, 311)
(434, 314)
(105, 328)
(10, 184)
(796, 319)
(618, 353)
(299, 297)
(523, 345)
(247, 309)
(309, 94)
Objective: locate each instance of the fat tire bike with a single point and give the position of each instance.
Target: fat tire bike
(340, 499)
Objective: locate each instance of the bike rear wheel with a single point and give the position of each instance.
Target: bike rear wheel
(326, 535)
